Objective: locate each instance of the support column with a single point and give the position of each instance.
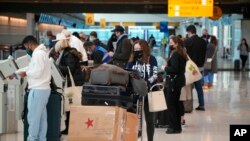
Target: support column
(30, 29)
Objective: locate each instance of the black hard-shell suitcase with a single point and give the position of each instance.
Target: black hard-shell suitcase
(53, 116)
(106, 95)
(237, 65)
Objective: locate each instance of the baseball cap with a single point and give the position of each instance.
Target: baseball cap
(118, 28)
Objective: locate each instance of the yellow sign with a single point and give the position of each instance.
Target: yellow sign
(190, 8)
(128, 23)
(217, 13)
(89, 19)
(191, 2)
(114, 23)
(102, 23)
(157, 25)
(189, 11)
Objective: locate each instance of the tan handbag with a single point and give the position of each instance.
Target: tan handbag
(72, 94)
(192, 73)
(156, 99)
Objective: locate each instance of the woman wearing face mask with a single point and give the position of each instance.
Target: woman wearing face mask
(69, 58)
(175, 80)
(146, 65)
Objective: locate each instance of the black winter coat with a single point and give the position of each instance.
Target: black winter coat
(71, 59)
(176, 70)
(196, 49)
(122, 52)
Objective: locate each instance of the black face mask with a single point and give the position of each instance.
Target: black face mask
(171, 47)
(138, 54)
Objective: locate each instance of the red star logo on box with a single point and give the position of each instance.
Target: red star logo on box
(89, 123)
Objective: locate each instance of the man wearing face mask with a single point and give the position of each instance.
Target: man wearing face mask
(123, 47)
(38, 75)
(93, 38)
(97, 53)
(50, 38)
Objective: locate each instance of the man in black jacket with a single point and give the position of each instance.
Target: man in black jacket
(123, 48)
(196, 49)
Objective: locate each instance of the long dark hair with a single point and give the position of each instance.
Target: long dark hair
(180, 46)
(145, 49)
(213, 40)
(244, 39)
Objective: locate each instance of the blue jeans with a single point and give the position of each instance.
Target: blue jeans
(198, 87)
(209, 78)
(37, 114)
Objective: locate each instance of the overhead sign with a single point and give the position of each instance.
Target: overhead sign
(89, 19)
(164, 27)
(191, 2)
(190, 8)
(102, 23)
(128, 23)
(157, 25)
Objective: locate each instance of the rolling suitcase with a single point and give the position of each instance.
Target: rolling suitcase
(53, 116)
(188, 106)
(237, 65)
(188, 100)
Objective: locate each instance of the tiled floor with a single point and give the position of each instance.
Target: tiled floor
(227, 103)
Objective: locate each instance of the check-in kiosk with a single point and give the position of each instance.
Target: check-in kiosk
(21, 62)
(57, 76)
(7, 122)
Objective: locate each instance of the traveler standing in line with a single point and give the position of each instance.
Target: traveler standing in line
(175, 80)
(205, 36)
(94, 38)
(244, 49)
(211, 57)
(97, 53)
(146, 65)
(123, 47)
(196, 49)
(38, 75)
(69, 58)
(50, 37)
(77, 44)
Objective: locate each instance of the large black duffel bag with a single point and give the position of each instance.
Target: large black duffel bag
(107, 74)
(53, 116)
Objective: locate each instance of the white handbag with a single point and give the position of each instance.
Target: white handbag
(156, 99)
(72, 94)
(192, 72)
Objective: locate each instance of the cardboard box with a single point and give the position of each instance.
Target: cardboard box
(97, 123)
(132, 127)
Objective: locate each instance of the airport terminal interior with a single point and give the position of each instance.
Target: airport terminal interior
(227, 100)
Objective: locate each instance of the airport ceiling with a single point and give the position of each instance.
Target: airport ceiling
(108, 6)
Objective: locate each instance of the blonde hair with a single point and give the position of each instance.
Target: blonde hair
(61, 45)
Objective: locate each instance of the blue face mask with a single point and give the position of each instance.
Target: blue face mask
(29, 52)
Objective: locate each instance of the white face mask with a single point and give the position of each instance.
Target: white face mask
(91, 39)
(89, 52)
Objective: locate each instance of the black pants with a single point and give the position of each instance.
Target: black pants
(174, 109)
(149, 118)
(243, 60)
(182, 108)
(67, 122)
